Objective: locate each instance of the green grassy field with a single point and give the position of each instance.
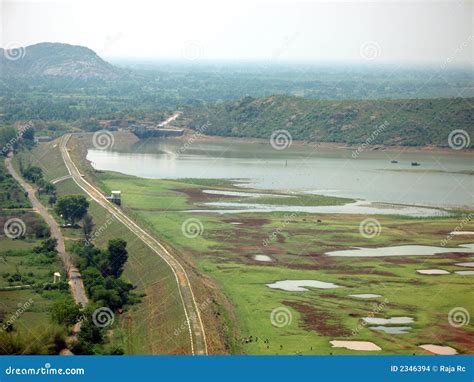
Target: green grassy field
(223, 256)
(145, 328)
(226, 251)
(25, 297)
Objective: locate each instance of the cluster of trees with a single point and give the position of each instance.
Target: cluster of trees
(101, 271)
(11, 193)
(35, 175)
(72, 208)
(11, 138)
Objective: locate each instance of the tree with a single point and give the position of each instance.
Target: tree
(117, 256)
(33, 174)
(52, 200)
(48, 245)
(29, 134)
(8, 140)
(87, 227)
(71, 208)
(65, 312)
(49, 188)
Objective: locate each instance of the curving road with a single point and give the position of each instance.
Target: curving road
(197, 333)
(74, 277)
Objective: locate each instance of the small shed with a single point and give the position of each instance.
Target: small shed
(115, 197)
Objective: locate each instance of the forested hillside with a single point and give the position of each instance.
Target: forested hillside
(405, 122)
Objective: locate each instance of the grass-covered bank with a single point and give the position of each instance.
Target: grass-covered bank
(149, 326)
(223, 254)
(227, 245)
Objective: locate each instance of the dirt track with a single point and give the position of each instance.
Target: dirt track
(191, 310)
(74, 277)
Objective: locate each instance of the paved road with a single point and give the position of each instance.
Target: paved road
(74, 277)
(197, 333)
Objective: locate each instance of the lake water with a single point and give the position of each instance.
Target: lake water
(439, 181)
(401, 250)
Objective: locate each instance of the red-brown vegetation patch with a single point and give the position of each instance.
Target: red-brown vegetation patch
(196, 195)
(318, 320)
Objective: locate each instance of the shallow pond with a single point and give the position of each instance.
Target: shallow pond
(359, 207)
(401, 250)
(264, 258)
(388, 321)
(468, 264)
(440, 350)
(465, 273)
(391, 329)
(356, 345)
(365, 295)
(300, 285)
(432, 272)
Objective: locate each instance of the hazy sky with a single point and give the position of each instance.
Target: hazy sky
(379, 31)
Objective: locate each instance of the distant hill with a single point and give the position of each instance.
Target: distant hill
(56, 60)
(412, 122)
